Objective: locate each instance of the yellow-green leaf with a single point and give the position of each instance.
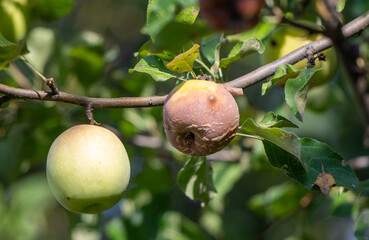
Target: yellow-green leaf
(184, 62)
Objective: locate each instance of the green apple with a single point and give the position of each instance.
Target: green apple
(13, 24)
(88, 169)
(286, 39)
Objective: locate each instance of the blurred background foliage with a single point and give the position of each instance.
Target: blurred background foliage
(88, 47)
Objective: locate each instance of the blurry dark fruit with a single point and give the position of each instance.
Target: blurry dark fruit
(200, 117)
(231, 14)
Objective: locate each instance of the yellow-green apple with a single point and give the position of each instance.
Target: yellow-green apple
(286, 39)
(200, 117)
(88, 169)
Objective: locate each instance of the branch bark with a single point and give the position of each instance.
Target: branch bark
(353, 27)
(244, 81)
(95, 103)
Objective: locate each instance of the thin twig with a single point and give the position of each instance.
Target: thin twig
(96, 103)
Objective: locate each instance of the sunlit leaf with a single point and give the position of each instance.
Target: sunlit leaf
(10, 51)
(296, 91)
(188, 15)
(285, 140)
(272, 120)
(242, 49)
(196, 179)
(281, 71)
(184, 62)
(261, 32)
(340, 5)
(153, 66)
(149, 49)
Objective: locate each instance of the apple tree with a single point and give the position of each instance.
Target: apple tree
(184, 119)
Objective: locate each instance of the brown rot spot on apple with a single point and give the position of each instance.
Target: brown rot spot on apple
(200, 117)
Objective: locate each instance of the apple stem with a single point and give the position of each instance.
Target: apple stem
(90, 115)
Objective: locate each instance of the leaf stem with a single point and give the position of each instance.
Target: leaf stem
(205, 67)
(250, 136)
(49, 81)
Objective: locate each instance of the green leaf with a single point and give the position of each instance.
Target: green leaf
(4, 105)
(188, 15)
(316, 158)
(340, 5)
(153, 66)
(51, 10)
(196, 179)
(209, 46)
(281, 71)
(242, 49)
(184, 62)
(287, 141)
(10, 51)
(171, 23)
(296, 90)
(278, 121)
(158, 15)
(174, 225)
(88, 64)
(149, 49)
(225, 177)
(261, 32)
(362, 225)
(287, 162)
(278, 201)
(316, 155)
